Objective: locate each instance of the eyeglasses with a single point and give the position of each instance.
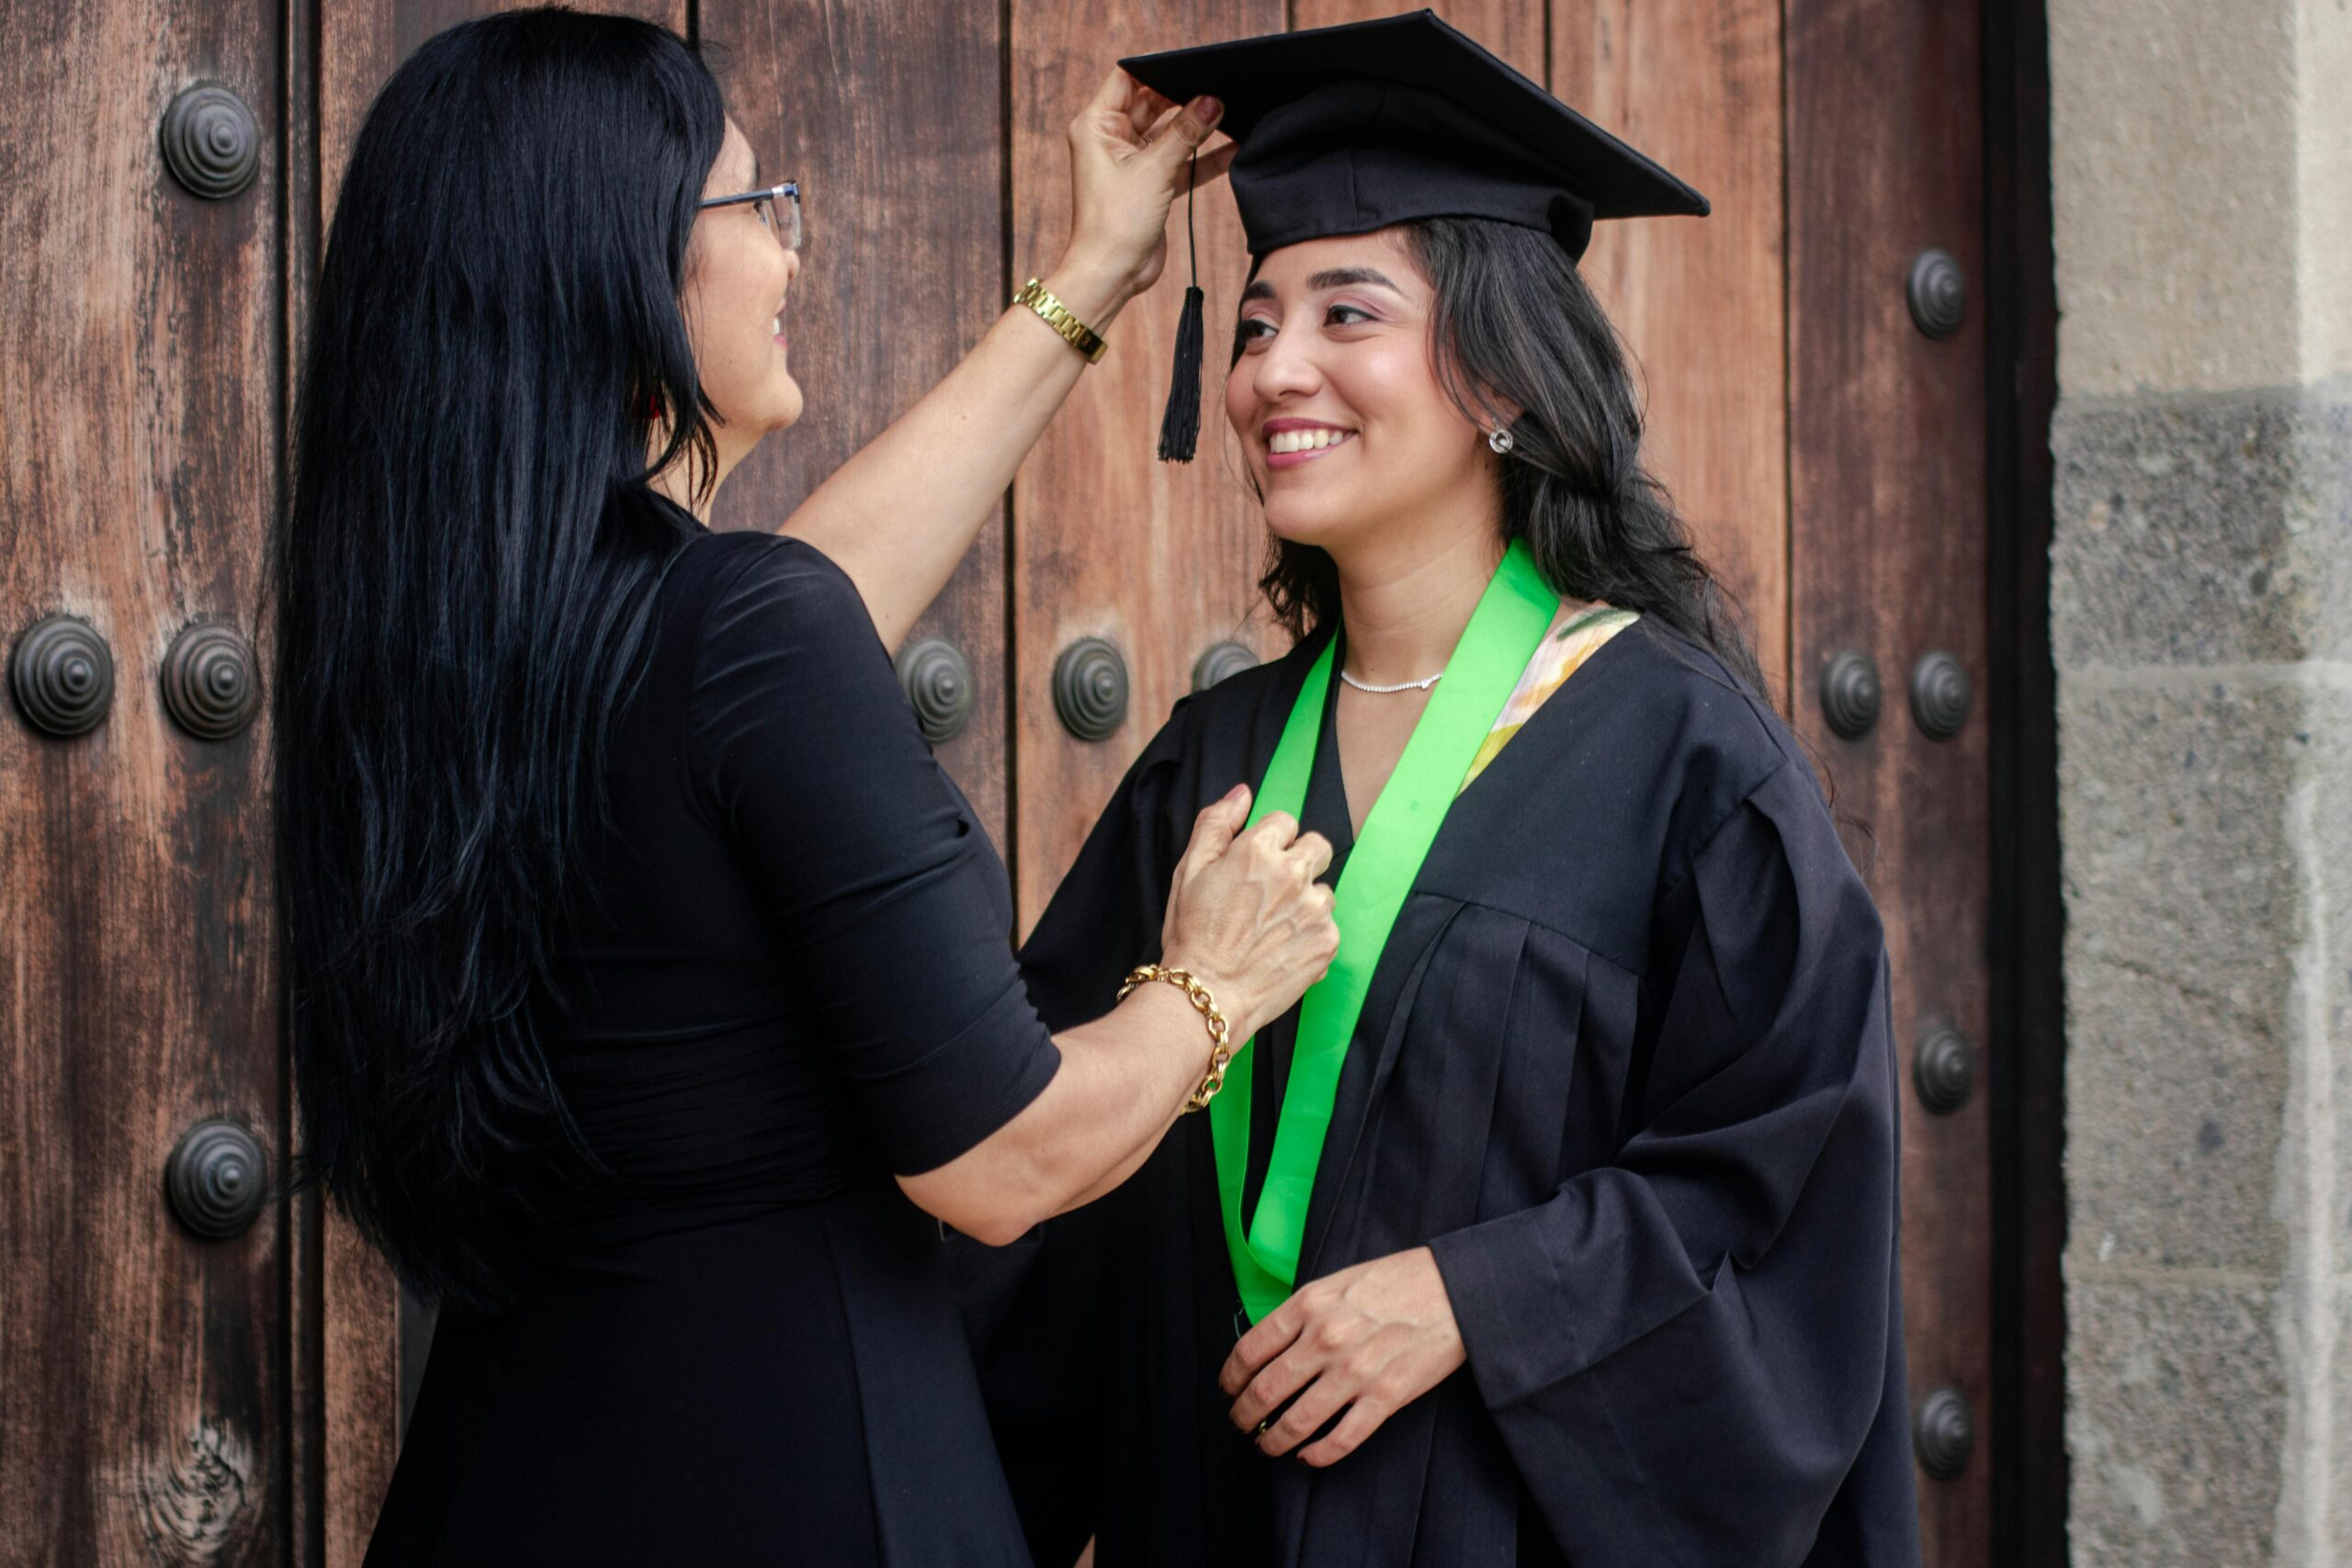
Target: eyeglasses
(778, 208)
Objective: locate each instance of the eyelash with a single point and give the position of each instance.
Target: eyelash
(1246, 336)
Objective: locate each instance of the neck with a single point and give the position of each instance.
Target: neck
(1404, 602)
(675, 482)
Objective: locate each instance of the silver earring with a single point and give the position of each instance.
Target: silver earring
(1499, 441)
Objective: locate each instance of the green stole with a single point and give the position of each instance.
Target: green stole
(1504, 632)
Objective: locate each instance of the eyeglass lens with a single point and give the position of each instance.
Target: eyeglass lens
(782, 215)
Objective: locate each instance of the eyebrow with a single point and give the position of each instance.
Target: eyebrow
(1334, 277)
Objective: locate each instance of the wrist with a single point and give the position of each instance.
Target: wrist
(1094, 290)
(1232, 999)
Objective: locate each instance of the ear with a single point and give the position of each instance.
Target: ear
(1490, 411)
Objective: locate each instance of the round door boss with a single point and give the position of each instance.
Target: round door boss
(1090, 689)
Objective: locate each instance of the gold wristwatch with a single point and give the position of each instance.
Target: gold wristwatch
(1055, 314)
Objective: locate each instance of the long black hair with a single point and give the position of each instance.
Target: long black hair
(1515, 326)
(460, 584)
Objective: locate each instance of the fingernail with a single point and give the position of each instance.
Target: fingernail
(1208, 109)
(1235, 792)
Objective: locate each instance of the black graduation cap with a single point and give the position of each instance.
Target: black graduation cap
(1349, 128)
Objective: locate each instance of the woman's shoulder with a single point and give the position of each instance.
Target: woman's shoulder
(1679, 692)
(734, 568)
(735, 594)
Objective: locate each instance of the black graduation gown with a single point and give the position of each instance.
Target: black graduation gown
(1626, 1067)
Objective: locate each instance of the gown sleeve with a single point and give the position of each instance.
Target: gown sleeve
(893, 904)
(1034, 1309)
(1729, 1273)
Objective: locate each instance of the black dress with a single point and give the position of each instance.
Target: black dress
(791, 977)
(1624, 1067)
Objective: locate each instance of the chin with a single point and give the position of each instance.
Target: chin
(785, 409)
(1310, 520)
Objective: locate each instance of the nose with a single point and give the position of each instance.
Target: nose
(1286, 368)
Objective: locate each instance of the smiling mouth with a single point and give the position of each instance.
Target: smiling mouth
(1289, 449)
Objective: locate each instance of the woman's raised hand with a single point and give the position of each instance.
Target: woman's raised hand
(1246, 916)
(1131, 155)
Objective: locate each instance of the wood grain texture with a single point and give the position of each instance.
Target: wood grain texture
(1160, 559)
(141, 1370)
(1889, 524)
(890, 116)
(1512, 29)
(1700, 302)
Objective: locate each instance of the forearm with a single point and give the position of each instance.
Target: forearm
(1122, 1081)
(901, 514)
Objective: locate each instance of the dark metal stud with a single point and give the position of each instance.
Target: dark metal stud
(1939, 693)
(1943, 1434)
(938, 683)
(1220, 660)
(1937, 294)
(1850, 693)
(209, 684)
(211, 143)
(1090, 689)
(218, 1179)
(62, 676)
(1943, 1070)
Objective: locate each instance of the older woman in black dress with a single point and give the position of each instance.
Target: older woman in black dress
(650, 990)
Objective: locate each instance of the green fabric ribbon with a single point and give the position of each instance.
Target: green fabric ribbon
(1503, 635)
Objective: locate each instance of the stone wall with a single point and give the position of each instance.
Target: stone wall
(2201, 623)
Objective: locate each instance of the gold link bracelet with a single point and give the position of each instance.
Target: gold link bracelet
(1205, 1002)
(1055, 314)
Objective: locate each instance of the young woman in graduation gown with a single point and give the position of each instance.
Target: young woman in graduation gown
(651, 993)
(1559, 1223)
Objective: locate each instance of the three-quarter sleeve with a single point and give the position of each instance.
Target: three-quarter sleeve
(1731, 1272)
(893, 904)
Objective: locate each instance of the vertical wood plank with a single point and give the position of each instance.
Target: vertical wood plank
(348, 1302)
(1513, 29)
(890, 116)
(1887, 480)
(1700, 302)
(141, 1370)
(1160, 559)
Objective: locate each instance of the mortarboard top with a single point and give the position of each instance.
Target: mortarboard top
(1349, 128)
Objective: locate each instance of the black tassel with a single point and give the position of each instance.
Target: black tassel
(1180, 427)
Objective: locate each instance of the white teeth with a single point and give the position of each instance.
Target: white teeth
(775, 327)
(1286, 441)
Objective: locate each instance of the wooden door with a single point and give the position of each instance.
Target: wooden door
(164, 1397)
(1887, 562)
(143, 1369)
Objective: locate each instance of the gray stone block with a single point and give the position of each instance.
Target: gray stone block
(2174, 797)
(2186, 907)
(2173, 1127)
(2176, 1422)
(2323, 835)
(2209, 529)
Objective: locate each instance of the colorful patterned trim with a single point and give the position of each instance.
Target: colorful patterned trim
(1575, 636)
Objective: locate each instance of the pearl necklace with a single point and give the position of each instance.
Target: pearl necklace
(1399, 687)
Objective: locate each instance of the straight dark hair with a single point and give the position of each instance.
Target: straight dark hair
(1516, 327)
(460, 585)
